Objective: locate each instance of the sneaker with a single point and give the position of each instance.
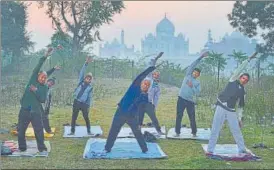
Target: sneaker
(90, 134)
(71, 133)
(194, 135)
(106, 150)
(50, 132)
(177, 135)
(160, 133)
(244, 152)
(209, 153)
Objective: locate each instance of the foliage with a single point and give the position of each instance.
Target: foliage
(15, 39)
(80, 18)
(252, 17)
(239, 56)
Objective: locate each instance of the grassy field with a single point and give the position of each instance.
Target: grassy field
(182, 154)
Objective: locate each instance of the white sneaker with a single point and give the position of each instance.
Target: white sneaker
(177, 135)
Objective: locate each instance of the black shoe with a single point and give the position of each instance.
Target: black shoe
(107, 150)
(22, 150)
(145, 151)
(43, 150)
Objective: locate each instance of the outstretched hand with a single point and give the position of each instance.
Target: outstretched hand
(49, 52)
(57, 67)
(159, 56)
(154, 60)
(205, 54)
(88, 59)
(253, 55)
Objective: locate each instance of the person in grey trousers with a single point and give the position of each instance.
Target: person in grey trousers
(190, 87)
(234, 93)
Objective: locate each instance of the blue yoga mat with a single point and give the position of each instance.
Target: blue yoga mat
(125, 148)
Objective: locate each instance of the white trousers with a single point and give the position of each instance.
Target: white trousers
(219, 118)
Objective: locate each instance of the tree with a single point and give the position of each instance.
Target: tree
(251, 16)
(65, 40)
(80, 18)
(239, 56)
(15, 39)
(218, 62)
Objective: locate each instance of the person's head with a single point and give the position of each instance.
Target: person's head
(196, 73)
(51, 82)
(88, 78)
(156, 75)
(42, 77)
(244, 78)
(145, 85)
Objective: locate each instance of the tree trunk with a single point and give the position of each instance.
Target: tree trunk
(258, 73)
(75, 46)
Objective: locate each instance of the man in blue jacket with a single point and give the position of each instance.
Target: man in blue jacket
(190, 87)
(82, 98)
(128, 109)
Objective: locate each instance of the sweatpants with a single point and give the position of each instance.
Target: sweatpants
(219, 118)
(117, 123)
(183, 104)
(25, 117)
(148, 108)
(45, 119)
(77, 106)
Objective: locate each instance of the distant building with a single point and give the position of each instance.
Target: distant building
(235, 41)
(117, 49)
(165, 40)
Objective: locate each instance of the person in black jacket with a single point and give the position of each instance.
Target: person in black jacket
(233, 94)
(127, 111)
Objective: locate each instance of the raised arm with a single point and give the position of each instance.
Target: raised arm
(36, 70)
(237, 72)
(49, 72)
(151, 63)
(191, 68)
(145, 73)
(82, 72)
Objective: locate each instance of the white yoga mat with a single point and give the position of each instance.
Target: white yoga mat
(81, 131)
(126, 132)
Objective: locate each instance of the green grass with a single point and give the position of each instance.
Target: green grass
(182, 154)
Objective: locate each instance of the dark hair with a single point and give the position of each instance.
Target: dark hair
(245, 74)
(197, 69)
(52, 79)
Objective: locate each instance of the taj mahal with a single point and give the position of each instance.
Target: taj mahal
(166, 41)
(176, 47)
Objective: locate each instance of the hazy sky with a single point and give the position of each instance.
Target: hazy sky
(139, 18)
